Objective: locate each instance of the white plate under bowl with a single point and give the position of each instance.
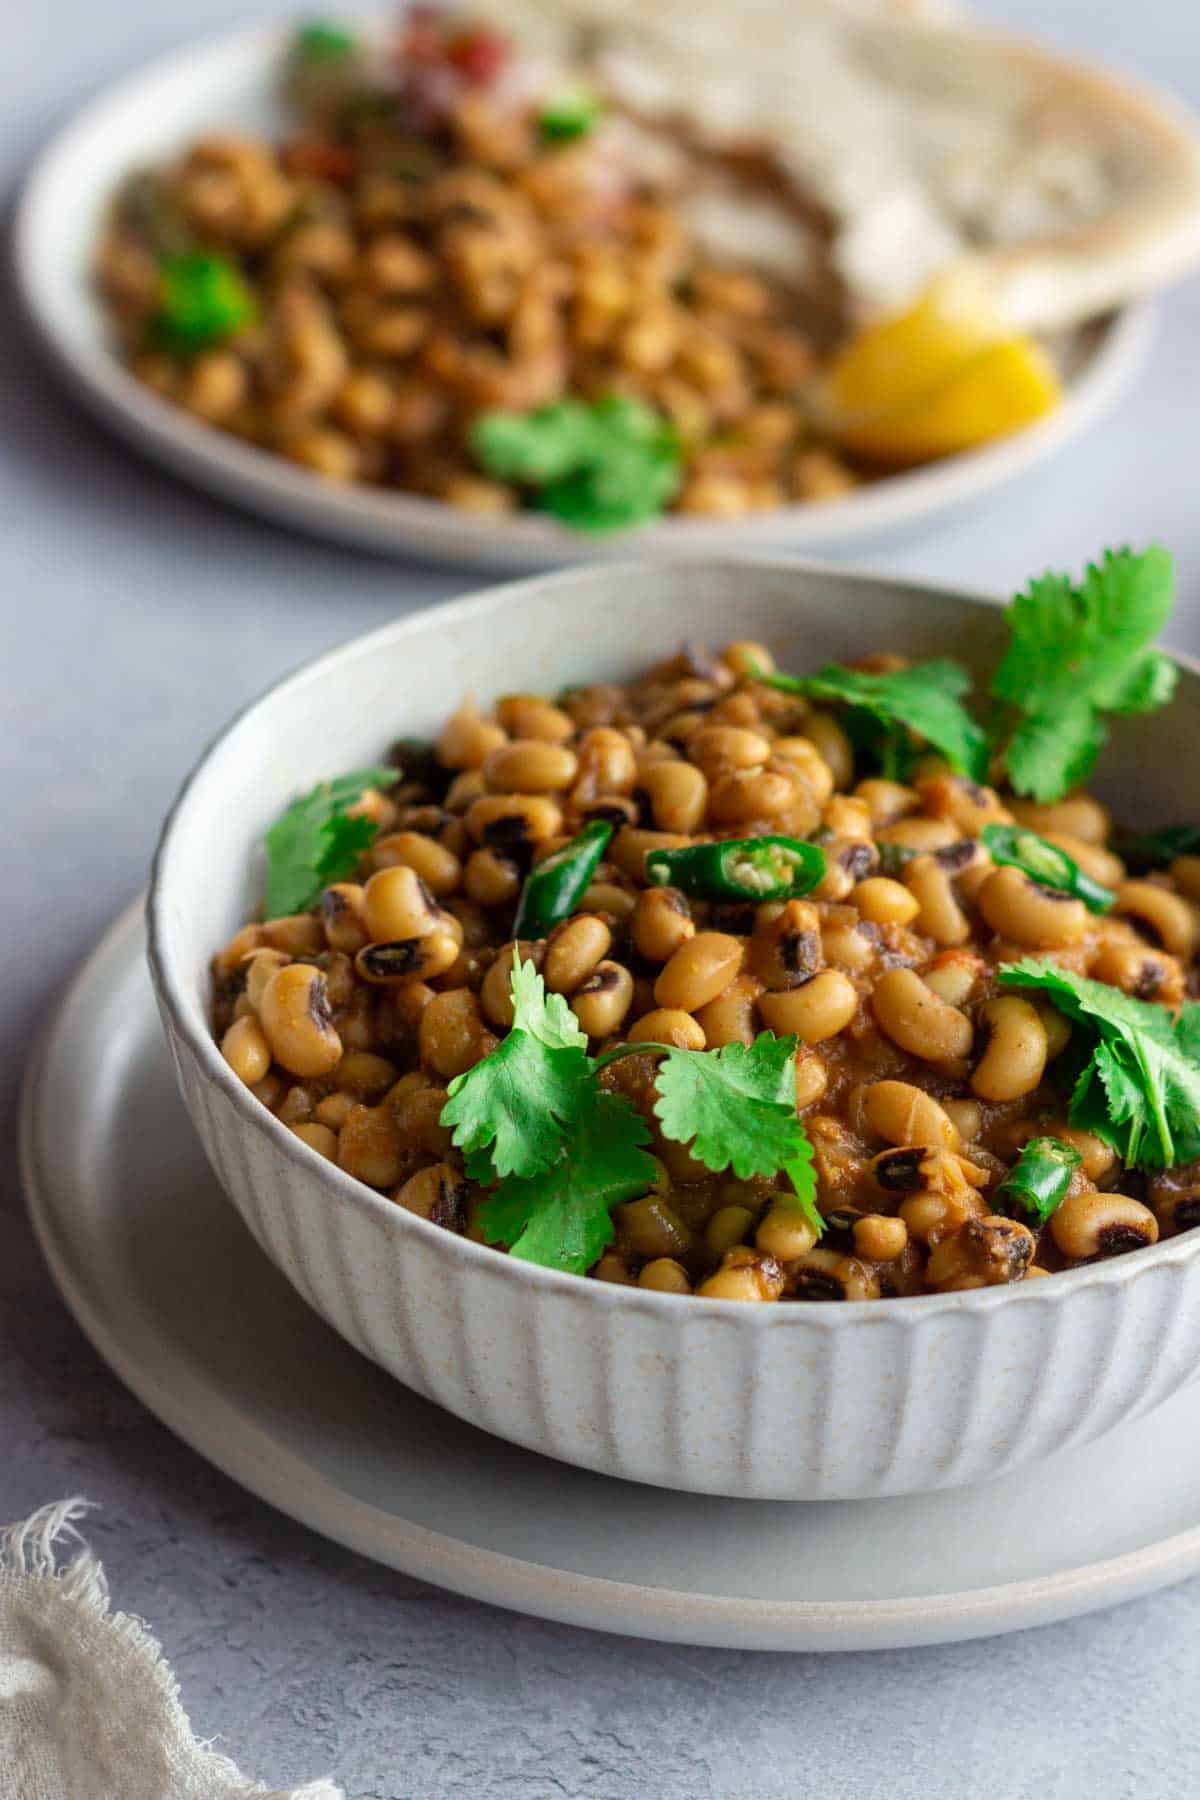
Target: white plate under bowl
(174, 1292)
(232, 81)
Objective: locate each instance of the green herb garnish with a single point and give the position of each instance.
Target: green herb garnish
(317, 841)
(1046, 864)
(569, 114)
(321, 42)
(1037, 1183)
(595, 465)
(202, 301)
(1139, 1081)
(1076, 653)
(561, 1218)
(516, 1103)
(533, 1119)
(888, 711)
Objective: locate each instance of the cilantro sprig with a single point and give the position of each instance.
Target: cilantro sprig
(1138, 1085)
(318, 840)
(596, 465)
(887, 712)
(559, 1152)
(1076, 653)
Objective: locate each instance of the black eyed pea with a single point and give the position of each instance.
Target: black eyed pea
(530, 766)
(295, 1016)
(242, 944)
(601, 1001)
(847, 941)
(731, 1018)
(899, 1170)
(920, 835)
(1078, 815)
(917, 1019)
(699, 970)
(467, 739)
(817, 1011)
(246, 1050)
(678, 795)
(1015, 1049)
(786, 950)
(953, 974)
(728, 1226)
(668, 1025)
(987, 1252)
(966, 803)
(930, 1216)
(366, 1076)
(829, 1275)
(297, 934)
(371, 1146)
(900, 1113)
(785, 1233)
(529, 716)
(259, 969)
(966, 1117)
(334, 1110)
(751, 795)
(438, 1193)
(880, 1238)
(630, 845)
(452, 1036)
(939, 914)
(719, 749)
(803, 756)
(744, 1274)
(846, 816)
(812, 1077)
(438, 867)
(1090, 1224)
(1166, 918)
(342, 917)
(662, 921)
(417, 1111)
(410, 959)
(1138, 970)
(823, 730)
(464, 790)
(1098, 1158)
(514, 821)
(1040, 918)
(608, 900)
(318, 1137)
(397, 904)
(613, 1267)
(887, 800)
(606, 764)
(746, 658)
(665, 1276)
(650, 1227)
(491, 878)
(882, 901)
(573, 950)
(1185, 873)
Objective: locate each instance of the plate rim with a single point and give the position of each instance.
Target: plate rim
(392, 522)
(182, 1397)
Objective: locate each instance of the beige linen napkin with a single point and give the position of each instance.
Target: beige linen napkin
(89, 1709)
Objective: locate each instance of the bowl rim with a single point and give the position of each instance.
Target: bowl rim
(484, 1258)
(398, 521)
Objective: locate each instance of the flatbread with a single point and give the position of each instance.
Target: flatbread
(928, 141)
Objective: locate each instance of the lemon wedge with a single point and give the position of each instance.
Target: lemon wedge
(942, 377)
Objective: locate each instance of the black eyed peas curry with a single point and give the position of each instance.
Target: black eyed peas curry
(754, 985)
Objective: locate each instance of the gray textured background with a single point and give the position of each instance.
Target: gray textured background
(136, 616)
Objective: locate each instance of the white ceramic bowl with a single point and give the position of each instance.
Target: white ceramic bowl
(768, 1401)
(234, 81)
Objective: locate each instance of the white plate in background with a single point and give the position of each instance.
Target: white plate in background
(232, 81)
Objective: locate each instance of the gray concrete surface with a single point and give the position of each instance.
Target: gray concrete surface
(134, 616)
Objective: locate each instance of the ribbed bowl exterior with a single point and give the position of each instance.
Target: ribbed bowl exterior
(771, 1402)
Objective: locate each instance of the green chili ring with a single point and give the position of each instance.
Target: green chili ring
(1037, 1184)
(1046, 864)
(758, 868)
(555, 886)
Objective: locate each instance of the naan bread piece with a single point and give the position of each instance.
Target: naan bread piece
(927, 141)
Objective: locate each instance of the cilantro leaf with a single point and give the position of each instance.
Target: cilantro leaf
(317, 841)
(923, 700)
(518, 1100)
(202, 300)
(596, 465)
(1142, 850)
(1139, 1086)
(562, 1217)
(1077, 652)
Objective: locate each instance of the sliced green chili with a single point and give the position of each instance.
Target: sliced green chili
(1037, 1184)
(321, 42)
(1046, 864)
(758, 868)
(555, 886)
(202, 301)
